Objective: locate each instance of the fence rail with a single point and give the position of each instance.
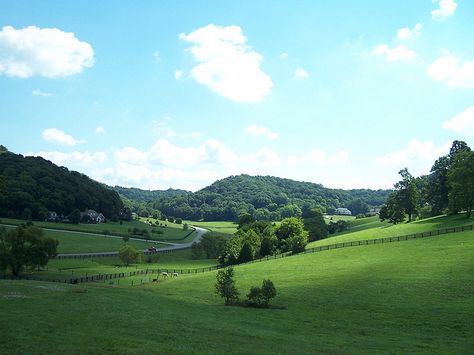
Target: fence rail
(111, 276)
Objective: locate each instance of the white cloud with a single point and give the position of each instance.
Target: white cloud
(38, 92)
(156, 56)
(407, 33)
(399, 53)
(54, 135)
(447, 68)
(462, 123)
(178, 74)
(301, 73)
(415, 153)
(47, 52)
(283, 55)
(446, 9)
(226, 64)
(255, 130)
(99, 130)
(80, 159)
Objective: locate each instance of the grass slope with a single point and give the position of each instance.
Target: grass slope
(414, 296)
(372, 228)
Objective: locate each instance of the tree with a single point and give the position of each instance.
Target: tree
(315, 225)
(225, 286)
(212, 245)
(128, 254)
(437, 187)
(245, 219)
(75, 216)
(291, 235)
(407, 193)
(393, 210)
(358, 206)
(461, 182)
(25, 247)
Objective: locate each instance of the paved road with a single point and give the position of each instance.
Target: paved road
(172, 246)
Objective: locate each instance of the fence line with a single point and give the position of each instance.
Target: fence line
(111, 276)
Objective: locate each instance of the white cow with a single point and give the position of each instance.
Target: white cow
(164, 274)
(174, 274)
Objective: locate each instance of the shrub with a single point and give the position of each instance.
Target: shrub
(178, 221)
(260, 296)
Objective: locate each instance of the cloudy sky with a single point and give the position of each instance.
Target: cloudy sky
(158, 94)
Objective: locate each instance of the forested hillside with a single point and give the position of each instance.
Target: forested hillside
(140, 195)
(265, 197)
(32, 186)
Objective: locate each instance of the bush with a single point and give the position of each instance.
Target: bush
(225, 286)
(178, 221)
(260, 296)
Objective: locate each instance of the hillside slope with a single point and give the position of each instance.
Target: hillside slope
(266, 197)
(32, 186)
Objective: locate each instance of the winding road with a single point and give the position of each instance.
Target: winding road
(171, 246)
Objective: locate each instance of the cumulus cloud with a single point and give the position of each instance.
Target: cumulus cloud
(283, 55)
(462, 123)
(38, 92)
(416, 152)
(47, 52)
(99, 130)
(394, 54)
(446, 8)
(407, 33)
(72, 159)
(447, 68)
(256, 130)
(57, 136)
(178, 74)
(301, 73)
(226, 64)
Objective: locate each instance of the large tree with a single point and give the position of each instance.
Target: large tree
(25, 248)
(407, 193)
(129, 254)
(291, 235)
(315, 225)
(461, 182)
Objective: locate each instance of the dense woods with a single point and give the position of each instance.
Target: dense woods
(32, 186)
(263, 197)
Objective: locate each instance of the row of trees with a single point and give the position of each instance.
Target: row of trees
(449, 188)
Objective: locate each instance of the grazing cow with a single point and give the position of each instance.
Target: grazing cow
(174, 274)
(164, 274)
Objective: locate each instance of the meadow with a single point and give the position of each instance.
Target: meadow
(220, 227)
(411, 296)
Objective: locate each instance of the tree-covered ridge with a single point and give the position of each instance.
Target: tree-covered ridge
(140, 195)
(32, 186)
(264, 197)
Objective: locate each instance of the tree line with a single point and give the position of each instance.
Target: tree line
(448, 189)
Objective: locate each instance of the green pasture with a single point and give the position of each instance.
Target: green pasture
(173, 232)
(374, 229)
(415, 296)
(220, 227)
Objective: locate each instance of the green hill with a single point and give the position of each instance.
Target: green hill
(140, 195)
(265, 197)
(414, 296)
(32, 186)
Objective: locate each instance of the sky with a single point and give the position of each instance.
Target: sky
(160, 94)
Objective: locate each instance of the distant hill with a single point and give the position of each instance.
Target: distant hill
(140, 195)
(32, 186)
(265, 197)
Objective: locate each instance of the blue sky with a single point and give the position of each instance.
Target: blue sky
(161, 94)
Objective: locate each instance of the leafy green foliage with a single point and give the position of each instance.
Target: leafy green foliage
(32, 186)
(314, 223)
(225, 286)
(291, 235)
(25, 247)
(461, 182)
(129, 254)
(260, 296)
(261, 197)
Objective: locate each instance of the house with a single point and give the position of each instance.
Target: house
(92, 216)
(343, 211)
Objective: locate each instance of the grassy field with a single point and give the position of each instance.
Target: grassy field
(220, 227)
(173, 232)
(407, 297)
(371, 228)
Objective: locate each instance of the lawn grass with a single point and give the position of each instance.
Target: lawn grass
(407, 297)
(220, 227)
(173, 232)
(371, 229)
